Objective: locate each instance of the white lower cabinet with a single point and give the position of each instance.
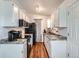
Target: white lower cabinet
(47, 45)
(73, 50)
(57, 48)
(13, 51)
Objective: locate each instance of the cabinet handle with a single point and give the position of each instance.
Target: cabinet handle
(12, 4)
(68, 34)
(68, 13)
(68, 54)
(22, 52)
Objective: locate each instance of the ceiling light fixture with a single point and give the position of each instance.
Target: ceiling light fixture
(38, 7)
(15, 9)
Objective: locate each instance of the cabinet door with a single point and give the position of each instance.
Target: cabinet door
(62, 15)
(58, 49)
(56, 20)
(74, 51)
(8, 14)
(21, 14)
(47, 45)
(25, 49)
(2, 51)
(73, 22)
(15, 16)
(1, 12)
(73, 28)
(11, 51)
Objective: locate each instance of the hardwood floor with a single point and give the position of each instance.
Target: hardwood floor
(38, 51)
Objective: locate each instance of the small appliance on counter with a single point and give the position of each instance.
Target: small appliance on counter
(13, 35)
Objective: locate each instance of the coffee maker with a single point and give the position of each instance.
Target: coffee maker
(14, 35)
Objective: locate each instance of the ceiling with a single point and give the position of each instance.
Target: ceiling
(48, 6)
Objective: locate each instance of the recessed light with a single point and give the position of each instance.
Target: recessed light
(38, 7)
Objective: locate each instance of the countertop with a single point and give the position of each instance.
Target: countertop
(55, 37)
(50, 39)
(19, 41)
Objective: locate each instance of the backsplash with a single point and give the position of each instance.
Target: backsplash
(4, 32)
(57, 31)
(63, 32)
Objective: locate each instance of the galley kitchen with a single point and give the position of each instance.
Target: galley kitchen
(39, 29)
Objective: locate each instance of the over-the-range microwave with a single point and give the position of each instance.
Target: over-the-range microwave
(23, 23)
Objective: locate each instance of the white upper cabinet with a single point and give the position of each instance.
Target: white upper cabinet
(61, 14)
(5, 11)
(8, 13)
(21, 14)
(60, 17)
(55, 19)
(15, 16)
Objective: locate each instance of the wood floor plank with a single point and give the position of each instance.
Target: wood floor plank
(38, 51)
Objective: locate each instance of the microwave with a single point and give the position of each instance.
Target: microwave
(23, 23)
